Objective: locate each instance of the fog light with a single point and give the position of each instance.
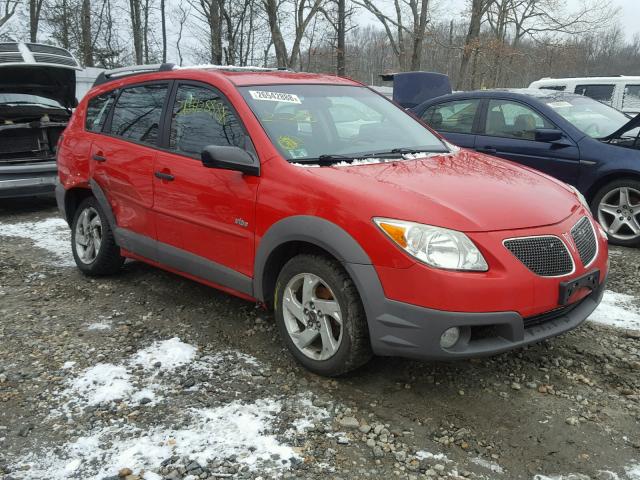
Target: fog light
(450, 337)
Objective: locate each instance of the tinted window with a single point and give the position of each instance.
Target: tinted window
(557, 88)
(454, 117)
(137, 113)
(602, 93)
(513, 120)
(97, 111)
(631, 98)
(200, 118)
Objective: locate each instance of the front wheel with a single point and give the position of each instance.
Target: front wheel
(92, 241)
(320, 315)
(617, 208)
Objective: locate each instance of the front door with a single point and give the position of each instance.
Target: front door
(204, 216)
(455, 120)
(122, 159)
(510, 132)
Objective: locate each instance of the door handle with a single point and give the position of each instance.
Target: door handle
(490, 150)
(165, 176)
(99, 158)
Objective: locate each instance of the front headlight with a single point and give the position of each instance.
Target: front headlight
(435, 246)
(583, 200)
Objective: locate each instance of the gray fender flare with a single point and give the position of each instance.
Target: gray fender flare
(314, 230)
(104, 203)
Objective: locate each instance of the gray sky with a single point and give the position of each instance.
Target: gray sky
(628, 17)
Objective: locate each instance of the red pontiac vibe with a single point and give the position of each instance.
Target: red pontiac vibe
(316, 196)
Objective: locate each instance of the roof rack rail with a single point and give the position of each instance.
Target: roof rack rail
(116, 73)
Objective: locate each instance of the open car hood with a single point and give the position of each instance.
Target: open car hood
(630, 125)
(56, 83)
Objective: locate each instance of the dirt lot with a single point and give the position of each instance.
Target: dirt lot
(148, 375)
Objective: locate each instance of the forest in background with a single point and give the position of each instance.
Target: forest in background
(490, 43)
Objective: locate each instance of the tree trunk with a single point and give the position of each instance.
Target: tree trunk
(35, 7)
(418, 35)
(136, 29)
(271, 6)
(163, 18)
(478, 9)
(342, 27)
(87, 47)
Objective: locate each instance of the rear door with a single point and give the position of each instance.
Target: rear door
(456, 120)
(508, 131)
(122, 159)
(202, 211)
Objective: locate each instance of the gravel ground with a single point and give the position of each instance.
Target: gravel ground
(149, 375)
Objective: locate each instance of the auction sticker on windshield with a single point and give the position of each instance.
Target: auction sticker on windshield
(274, 96)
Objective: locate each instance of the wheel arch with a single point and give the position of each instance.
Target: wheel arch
(610, 177)
(298, 234)
(72, 199)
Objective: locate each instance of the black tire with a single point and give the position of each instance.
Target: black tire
(108, 259)
(602, 193)
(355, 347)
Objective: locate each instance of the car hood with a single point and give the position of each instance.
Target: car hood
(56, 83)
(465, 191)
(630, 125)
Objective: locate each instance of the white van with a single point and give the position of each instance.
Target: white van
(620, 92)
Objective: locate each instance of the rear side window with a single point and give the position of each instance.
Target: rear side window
(557, 88)
(631, 98)
(513, 120)
(455, 117)
(97, 111)
(602, 93)
(200, 118)
(137, 113)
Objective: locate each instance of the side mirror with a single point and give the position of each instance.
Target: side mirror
(230, 158)
(548, 135)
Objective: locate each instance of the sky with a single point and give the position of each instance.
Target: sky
(628, 16)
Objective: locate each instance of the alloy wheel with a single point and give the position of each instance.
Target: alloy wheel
(618, 213)
(312, 316)
(88, 235)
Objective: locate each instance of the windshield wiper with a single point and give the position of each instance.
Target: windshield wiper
(326, 159)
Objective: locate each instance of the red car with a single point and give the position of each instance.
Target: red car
(314, 195)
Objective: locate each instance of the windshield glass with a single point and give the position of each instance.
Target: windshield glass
(24, 99)
(306, 122)
(593, 118)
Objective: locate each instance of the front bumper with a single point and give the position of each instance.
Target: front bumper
(411, 331)
(28, 179)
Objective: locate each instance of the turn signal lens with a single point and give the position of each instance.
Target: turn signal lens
(396, 233)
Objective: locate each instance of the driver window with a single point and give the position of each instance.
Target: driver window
(513, 120)
(200, 118)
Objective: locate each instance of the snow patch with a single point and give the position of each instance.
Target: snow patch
(633, 472)
(424, 455)
(617, 310)
(102, 383)
(491, 466)
(99, 326)
(171, 354)
(375, 160)
(51, 234)
(236, 429)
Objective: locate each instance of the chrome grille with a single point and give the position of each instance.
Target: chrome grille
(545, 255)
(585, 239)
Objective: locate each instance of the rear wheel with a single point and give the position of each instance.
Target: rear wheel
(320, 315)
(617, 208)
(92, 241)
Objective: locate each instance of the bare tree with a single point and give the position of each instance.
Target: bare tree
(303, 12)
(135, 12)
(163, 19)
(87, 41)
(406, 36)
(9, 10)
(35, 10)
(478, 9)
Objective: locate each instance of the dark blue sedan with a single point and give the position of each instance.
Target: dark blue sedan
(576, 139)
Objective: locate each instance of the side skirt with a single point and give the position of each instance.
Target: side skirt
(181, 261)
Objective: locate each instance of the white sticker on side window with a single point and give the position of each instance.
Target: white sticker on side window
(274, 96)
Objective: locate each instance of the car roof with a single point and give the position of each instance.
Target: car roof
(505, 93)
(238, 76)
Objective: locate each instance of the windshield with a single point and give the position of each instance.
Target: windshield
(307, 122)
(593, 118)
(24, 99)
